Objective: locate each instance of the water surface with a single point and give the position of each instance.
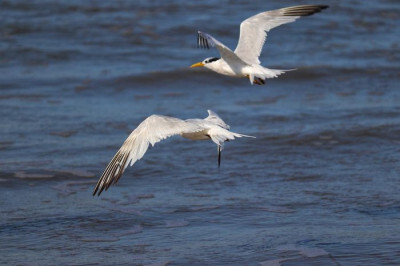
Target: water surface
(318, 186)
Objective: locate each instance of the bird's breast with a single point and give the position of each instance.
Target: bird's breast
(222, 67)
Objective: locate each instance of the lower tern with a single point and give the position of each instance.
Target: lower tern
(244, 61)
(156, 128)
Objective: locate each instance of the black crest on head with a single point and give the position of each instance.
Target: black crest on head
(212, 59)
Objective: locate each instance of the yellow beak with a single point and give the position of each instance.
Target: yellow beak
(199, 64)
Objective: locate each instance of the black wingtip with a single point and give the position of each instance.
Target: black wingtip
(304, 10)
(112, 173)
(97, 191)
(202, 41)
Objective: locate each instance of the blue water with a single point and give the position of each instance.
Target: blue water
(318, 186)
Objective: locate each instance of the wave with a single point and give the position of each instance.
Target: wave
(204, 76)
(335, 135)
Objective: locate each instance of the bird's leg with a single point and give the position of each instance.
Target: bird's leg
(259, 81)
(256, 80)
(219, 156)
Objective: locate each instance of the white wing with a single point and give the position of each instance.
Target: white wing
(205, 40)
(213, 117)
(152, 130)
(253, 31)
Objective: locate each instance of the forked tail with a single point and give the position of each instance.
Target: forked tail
(265, 73)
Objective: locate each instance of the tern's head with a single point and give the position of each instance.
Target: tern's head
(206, 62)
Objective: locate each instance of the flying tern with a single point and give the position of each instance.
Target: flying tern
(244, 61)
(156, 128)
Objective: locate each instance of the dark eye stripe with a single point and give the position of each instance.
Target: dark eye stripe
(213, 59)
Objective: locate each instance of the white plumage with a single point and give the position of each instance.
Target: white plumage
(156, 128)
(244, 61)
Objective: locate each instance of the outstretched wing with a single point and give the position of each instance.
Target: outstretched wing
(152, 130)
(213, 117)
(205, 40)
(253, 31)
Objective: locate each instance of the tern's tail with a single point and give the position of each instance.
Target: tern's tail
(237, 135)
(219, 135)
(263, 73)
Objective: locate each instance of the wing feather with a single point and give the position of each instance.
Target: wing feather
(205, 40)
(152, 130)
(253, 31)
(213, 117)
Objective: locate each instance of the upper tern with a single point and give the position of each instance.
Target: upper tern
(156, 128)
(244, 62)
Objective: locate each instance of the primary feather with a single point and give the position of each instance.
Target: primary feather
(253, 31)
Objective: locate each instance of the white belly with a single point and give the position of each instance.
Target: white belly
(223, 68)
